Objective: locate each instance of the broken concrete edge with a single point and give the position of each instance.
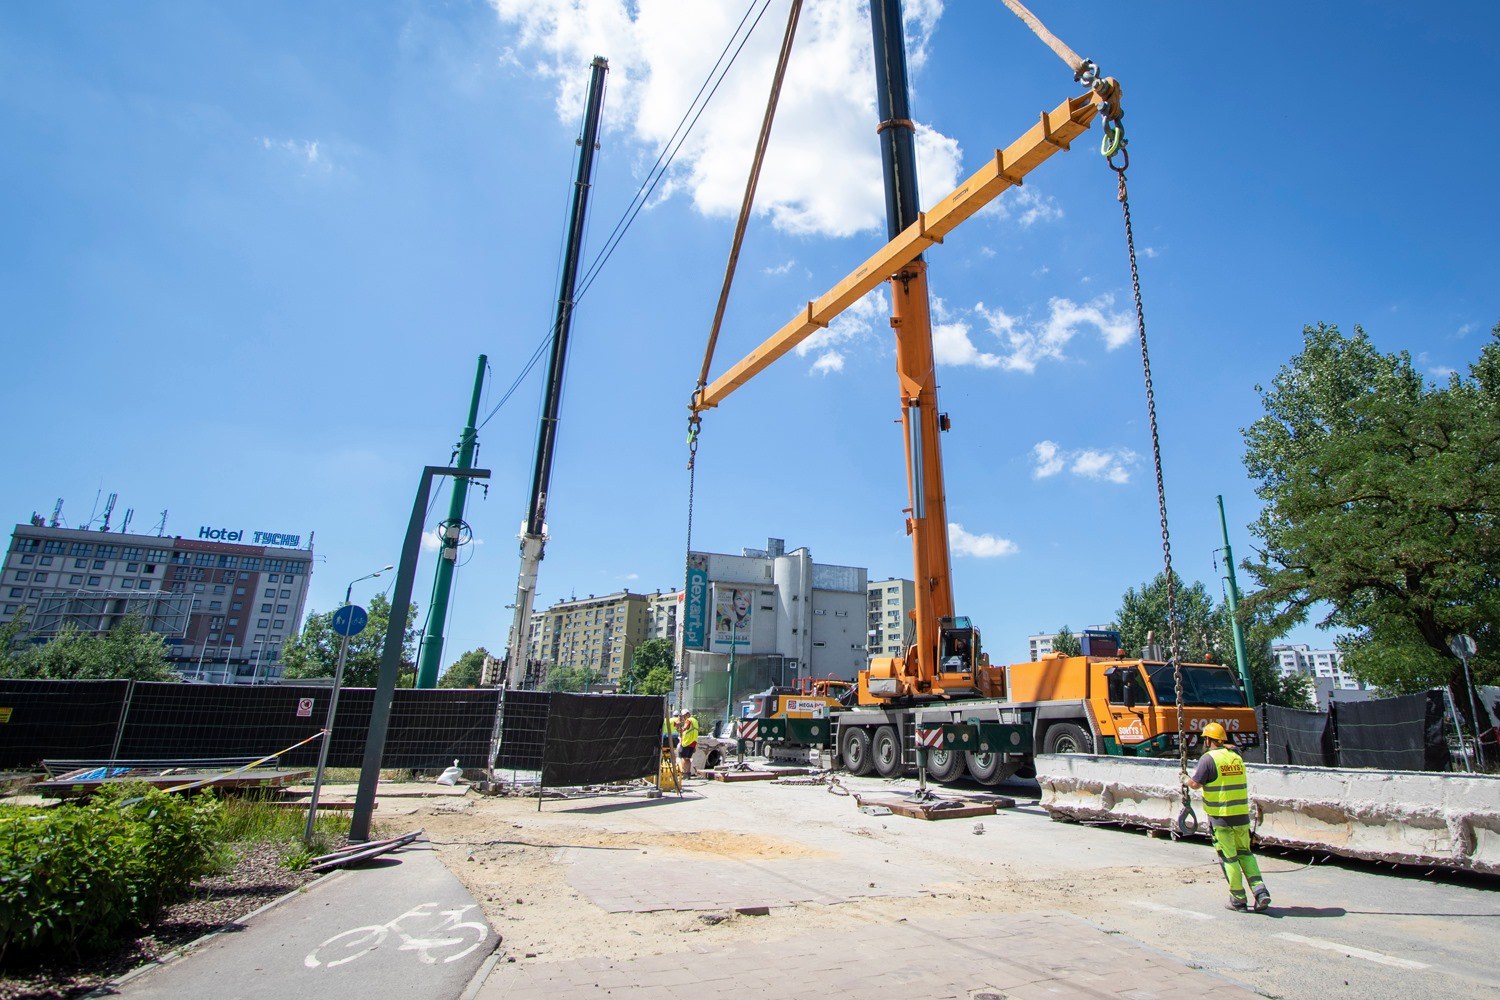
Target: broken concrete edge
(1444, 820)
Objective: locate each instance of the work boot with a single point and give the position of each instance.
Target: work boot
(1238, 905)
(1262, 900)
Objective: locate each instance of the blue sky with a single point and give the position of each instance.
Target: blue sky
(253, 251)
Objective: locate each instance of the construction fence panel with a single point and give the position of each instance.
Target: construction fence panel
(597, 739)
(1296, 737)
(1393, 734)
(429, 728)
(58, 719)
(523, 730)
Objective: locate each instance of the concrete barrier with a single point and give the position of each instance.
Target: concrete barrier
(1445, 820)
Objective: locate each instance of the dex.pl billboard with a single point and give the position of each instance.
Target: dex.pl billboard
(695, 603)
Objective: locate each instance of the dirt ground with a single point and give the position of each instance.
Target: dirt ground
(517, 863)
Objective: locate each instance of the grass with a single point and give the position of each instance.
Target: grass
(251, 820)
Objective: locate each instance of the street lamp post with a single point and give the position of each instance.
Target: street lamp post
(734, 638)
(228, 651)
(333, 704)
(201, 651)
(260, 644)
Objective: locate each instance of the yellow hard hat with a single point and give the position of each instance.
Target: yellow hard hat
(1214, 731)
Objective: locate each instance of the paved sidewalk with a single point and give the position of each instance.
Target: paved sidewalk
(400, 927)
(1017, 956)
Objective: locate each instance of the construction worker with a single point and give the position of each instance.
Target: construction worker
(1226, 799)
(687, 736)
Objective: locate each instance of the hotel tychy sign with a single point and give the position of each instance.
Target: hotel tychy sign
(257, 537)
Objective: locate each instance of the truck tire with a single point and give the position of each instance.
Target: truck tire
(1066, 737)
(885, 753)
(945, 765)
(988, 768)
(854, 751)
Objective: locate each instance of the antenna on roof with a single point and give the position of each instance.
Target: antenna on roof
(56, 513)
(161, 526)
(109, 506)
(125, 524)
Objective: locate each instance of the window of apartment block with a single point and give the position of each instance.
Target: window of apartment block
(26, 544)
(125, 585)
(281, 609)
(279, 623)
(80, 564)
(143, 584)
(22, 575)
(263, 623)
(53, 547)
(285, 594)
(94, 581)
(214, 605)
(75, 580)
(270, 591)
(46, 561)
(28, 560)
(18, 592)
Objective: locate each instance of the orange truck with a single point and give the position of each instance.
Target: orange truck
(1058, 704)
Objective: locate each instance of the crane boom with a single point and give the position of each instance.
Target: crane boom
(533, 535)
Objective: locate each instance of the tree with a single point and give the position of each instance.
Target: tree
(1066, 642)
(315, 653)
(1144, 613)
(466, 671)
(570, 679)
(651, 668)
(126, 652)
(1382, 502)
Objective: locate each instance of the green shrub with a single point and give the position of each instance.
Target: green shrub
(75, 876)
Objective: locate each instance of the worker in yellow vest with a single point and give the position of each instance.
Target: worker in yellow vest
(1226, 799)
(687, 735)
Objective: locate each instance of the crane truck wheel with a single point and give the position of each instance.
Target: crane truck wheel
(988, 768)
(945, 765)
(886, 753)
(1065, 737)
(854, 751)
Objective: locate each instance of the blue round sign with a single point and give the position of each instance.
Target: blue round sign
(349, 620)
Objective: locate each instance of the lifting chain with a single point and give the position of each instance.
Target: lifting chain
(1115, 145)
(695, 424)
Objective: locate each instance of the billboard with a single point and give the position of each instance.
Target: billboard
(732, 617)
(695, 603)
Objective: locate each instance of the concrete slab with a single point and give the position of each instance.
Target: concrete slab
(1014, 956)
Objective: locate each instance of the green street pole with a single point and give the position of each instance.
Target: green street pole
(734, 638)
(1234, 612)
(431, 658)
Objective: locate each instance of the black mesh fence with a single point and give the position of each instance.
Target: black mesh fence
(66, 719)
(1293, 737)
(1394, 734)
(429, 728)
(523, 731)
(597, 738)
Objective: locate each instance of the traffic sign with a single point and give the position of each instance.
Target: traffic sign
(1463, 646)
(349, 620)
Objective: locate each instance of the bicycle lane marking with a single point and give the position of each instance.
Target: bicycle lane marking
(371, 936)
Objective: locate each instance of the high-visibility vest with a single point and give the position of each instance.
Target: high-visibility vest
(1227, 796)
(690, 732)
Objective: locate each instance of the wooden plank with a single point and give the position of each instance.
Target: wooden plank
(732, 776)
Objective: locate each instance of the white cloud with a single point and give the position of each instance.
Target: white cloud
(962, 543)
(1048, 462)
(1026, 205)
(1111, 466)
(1026, 345)
(780, 268)
(822, 172)
(1150, 252)
(303, 151)
(827, 363)
(1442, 372)
(1464, 330)
(432, 540)
(854, 325)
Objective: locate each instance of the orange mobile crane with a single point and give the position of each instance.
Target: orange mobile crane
(942, 693)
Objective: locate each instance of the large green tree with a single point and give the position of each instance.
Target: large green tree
(466, 671)
(127, 651)
(651, 668)
(315, 652)
(1382, 504)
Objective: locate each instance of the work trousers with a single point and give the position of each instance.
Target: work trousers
(1233, 845)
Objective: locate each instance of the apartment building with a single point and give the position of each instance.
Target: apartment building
(890, 625)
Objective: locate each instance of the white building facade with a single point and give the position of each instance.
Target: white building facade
(890, 625)
(1300, 658)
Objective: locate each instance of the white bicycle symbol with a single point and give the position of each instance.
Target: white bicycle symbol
(450, 932)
